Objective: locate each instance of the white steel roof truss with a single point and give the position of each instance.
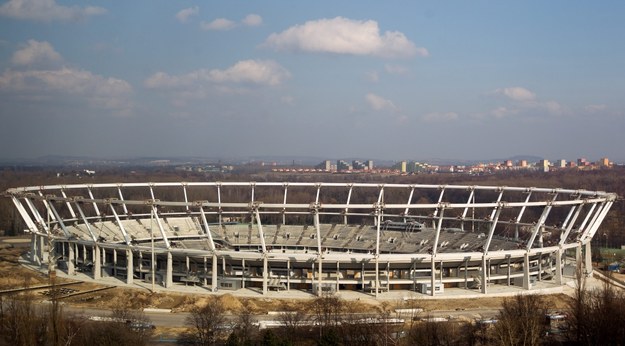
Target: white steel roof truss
(69, 206)
(570, 225)
(20, 208)
(160, 226)
(496, 212)
(211, 244)
(120, 226)
(121, 197)
(86, 223)
(59, 220)
(594, 225)
(95, 206)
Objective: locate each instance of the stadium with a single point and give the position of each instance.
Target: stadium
(315, 237)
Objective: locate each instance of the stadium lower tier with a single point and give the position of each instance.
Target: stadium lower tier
(189, 261)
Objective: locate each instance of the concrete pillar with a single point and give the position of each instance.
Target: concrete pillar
(97, 270)
(559, 266)
(265, 269)
(338, 273)
(377, 276)
(526, 272)
(509, 270)
(70, 259)
(84, 254)
(388, 277)
(129, 267)
(320, 277)
(43, 255)
(243, 273)
(432, 276)
(362, 276)
(114, 263)
(484, 276)
(205, 272)
(214, 273)
(288, 275)
(588, 258)
(169, 274)
(540, 267)
(34, 255)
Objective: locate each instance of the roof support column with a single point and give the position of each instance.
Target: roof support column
(71, 259)
(214, 273)
(509, 269)
(129, 267)
(169, 271)
(588, 258)
(288, 274)
(97, 270)
(559, 266)
(34, 248)
(484, 275)
(432, 276)
(526, 271)
(265, 276)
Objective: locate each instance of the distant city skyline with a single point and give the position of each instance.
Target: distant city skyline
(406, 80)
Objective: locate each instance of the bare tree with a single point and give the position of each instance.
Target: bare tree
(208, 323)
(521, 321)
(328, 309)
(244, 331)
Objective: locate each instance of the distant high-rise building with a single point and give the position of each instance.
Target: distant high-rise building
(543, 165)
(342, 165)
(325, 165)
(523, 163)
(561, 163)
(400, 166)
(603, 162)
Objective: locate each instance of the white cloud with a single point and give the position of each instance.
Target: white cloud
(344, 36)
(379, 103)
(221, 24)
(252, 20)
(47, 81)
(436, 116)
(373, 76)
(187, 13)
(47, 10)
(502, 112)
(247, 71)
(395, 69)
(525, 102)
(36, 52)
(99, 91)
(516, 93)
(595, 108)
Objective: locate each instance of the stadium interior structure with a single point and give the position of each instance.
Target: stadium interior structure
(321, 237)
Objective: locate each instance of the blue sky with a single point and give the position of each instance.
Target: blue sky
(383, 80)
